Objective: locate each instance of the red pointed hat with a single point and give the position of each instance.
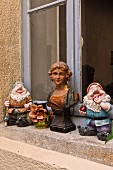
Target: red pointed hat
(95, 83)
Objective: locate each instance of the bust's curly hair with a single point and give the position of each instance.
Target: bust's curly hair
(64, 66)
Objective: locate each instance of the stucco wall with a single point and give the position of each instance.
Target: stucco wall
(10, 47)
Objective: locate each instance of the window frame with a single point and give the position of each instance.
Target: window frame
(73, 26)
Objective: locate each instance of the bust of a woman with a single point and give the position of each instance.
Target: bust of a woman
(62, 98)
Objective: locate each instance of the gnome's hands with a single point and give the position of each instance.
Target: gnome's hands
(82, 110)
(7, 103)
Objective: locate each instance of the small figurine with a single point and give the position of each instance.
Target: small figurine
(17, 106)
(96, 108)
(39, 115)
(62, 98)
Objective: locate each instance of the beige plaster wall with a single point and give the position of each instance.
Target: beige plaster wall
(10, 47)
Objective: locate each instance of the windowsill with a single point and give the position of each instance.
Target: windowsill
(70, 143)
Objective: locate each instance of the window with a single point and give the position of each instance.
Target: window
(48, 44)
(51, 31)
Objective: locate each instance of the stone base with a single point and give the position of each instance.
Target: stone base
(64, 129)
(61, 122)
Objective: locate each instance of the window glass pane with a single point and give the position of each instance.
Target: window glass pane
(37, 3)
(48, 45)
(97, 28)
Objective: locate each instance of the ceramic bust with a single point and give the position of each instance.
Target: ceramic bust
(62, 98)
(96, 109)
(17, 106)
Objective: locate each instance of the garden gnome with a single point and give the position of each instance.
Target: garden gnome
(96, 108)
(62, 98)
(17, 106)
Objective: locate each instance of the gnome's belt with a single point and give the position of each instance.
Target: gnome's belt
(19, 109)
(97, 118)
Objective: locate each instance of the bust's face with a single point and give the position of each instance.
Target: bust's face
(59, 76)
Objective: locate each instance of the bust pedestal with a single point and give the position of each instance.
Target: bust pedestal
(61, 122)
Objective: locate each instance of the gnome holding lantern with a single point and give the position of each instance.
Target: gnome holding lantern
(96, 108)
(17, 105)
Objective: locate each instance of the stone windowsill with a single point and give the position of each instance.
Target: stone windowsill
(70, 143)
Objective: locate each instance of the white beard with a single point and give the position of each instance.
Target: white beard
(19, 97)
(90, 104)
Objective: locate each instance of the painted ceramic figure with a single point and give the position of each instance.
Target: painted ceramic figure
(96, 108)
(62, 98)
(40, 115)
(18, 104)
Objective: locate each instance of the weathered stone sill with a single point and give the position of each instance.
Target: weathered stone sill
(70, 143)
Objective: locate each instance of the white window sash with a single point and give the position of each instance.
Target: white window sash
(74, 43)
(46, 6)
(26, 46)
(78, 48)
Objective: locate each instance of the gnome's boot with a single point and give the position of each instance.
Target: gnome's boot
(84, 131)
(102, 135)
(10, 119)
(22, 122)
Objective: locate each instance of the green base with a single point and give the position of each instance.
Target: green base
(42, 125)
